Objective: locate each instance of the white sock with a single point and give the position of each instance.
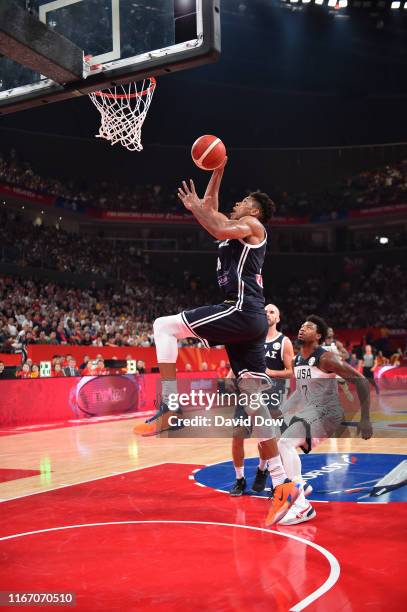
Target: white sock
(263, 464)
(292, 462)
(169, 388)
(276, 470)
(239, 472)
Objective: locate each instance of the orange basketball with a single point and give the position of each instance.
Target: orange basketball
(208, 152)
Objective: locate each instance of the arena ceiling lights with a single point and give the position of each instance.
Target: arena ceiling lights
(378, 5)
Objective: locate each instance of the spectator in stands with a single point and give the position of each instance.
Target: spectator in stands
(57, 371)
(53, 338)
(35, 371)
(12, 329)
(24, 371)
(70, 369)
(60, 335)
(380, 361)
(354, 361)
(100, 369)
(188, 367)
(141, 367)
(204, 367)
(3, 334)
(2, 369)
(84, 363)
(87, 339)
(56, 359)
(90, 369)
(222, 370)
(395, 359)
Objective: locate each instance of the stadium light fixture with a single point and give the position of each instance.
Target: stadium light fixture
(332, 3)
(343, 3)
(395, 5)
(319, 1)
(306, 1)
(383, 240)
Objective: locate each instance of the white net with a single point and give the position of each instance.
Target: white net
(123, 110)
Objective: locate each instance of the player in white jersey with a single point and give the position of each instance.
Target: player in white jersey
(279, 361)
(336, 346)
(314, 412)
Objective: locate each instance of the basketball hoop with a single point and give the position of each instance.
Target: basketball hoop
(123, 110)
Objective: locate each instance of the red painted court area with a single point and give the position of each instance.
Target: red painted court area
(154, 539)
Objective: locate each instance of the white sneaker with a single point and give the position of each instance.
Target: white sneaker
(307, 489)
(297, 515)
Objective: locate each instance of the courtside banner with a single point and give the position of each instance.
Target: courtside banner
(21, 193)
(135, 217)
(378, 211)
(45, 401)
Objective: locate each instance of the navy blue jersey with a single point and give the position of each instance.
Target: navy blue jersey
(312, 361)
(239, 272)
(274, 350)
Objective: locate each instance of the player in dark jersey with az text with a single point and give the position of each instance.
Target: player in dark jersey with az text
(239, 322)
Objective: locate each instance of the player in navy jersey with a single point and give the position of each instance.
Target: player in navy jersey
(314, 412)
(239, 322)
(279, 355)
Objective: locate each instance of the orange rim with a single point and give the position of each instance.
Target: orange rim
(138, 94)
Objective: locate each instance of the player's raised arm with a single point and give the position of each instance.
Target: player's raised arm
(330, 362)
(216, 223)
(212, 190)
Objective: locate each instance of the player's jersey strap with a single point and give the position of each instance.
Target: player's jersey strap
(239, 272)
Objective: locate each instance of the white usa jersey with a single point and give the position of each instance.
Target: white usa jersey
(315, 387)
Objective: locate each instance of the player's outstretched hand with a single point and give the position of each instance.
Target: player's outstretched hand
(364, 429)
(190, 199)
(188, 196)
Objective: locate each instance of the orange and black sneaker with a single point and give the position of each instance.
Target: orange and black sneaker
(283, 497)
(158, 423)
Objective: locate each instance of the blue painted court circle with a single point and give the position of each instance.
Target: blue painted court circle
(339, 477)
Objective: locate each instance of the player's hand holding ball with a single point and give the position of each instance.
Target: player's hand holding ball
(209, 153)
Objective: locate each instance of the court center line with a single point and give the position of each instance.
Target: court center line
(301, 605)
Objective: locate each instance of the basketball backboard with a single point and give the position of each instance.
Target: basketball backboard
(127, 39)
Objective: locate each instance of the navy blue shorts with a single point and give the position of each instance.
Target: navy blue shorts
(243, 332)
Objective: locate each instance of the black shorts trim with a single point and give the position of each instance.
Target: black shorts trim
(204, 342)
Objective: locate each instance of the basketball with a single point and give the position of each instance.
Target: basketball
(208, 152)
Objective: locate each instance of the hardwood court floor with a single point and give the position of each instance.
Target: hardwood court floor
(119, 520)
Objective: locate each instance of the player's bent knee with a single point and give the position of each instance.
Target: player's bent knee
(159, 326)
